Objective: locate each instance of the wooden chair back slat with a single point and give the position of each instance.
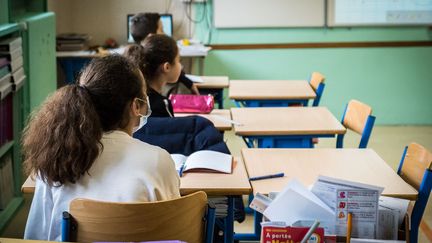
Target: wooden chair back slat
(316, 79)
(177, 219)
(356, 116)
(417, 160)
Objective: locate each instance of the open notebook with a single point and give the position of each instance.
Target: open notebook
(204, 161)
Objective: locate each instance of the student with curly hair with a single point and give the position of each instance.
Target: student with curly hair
(79, 145)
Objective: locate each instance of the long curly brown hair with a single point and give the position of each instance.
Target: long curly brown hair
(63, 138)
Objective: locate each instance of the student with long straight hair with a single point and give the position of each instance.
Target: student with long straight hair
(146, 24)
(79, 145)
(159, 60)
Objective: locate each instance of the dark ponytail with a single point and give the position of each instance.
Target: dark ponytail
(62, 139)
(155, 50)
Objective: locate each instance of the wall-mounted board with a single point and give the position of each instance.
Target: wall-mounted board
(268, 13)
(379, 12)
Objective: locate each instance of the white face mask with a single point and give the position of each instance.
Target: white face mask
(143, 118)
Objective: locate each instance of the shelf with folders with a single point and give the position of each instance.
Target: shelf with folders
(12, 80)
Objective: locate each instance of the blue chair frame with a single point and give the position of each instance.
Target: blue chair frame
(423, 195)
(316, 81)
(69, 225)
(319, 91)
(367, 131)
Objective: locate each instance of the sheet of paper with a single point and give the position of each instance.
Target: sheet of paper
(206, 159)
(387, 224)
(260, 203)
(179, 160)
(400, 205)
(296, 202)
(325, 188)
(194, 78)
(363, 204)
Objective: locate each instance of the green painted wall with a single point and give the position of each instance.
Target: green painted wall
(396, 82)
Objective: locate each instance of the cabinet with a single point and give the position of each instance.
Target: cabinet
(30, 21)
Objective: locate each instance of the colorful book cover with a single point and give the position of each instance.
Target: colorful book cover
(3, 62)
(288, 234)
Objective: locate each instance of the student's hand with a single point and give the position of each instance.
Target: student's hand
(194, 89)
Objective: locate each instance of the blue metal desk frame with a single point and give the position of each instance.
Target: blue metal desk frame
(284, 102)
(270, 103)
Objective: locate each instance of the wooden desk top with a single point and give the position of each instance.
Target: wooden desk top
(185, 51)
(11, 240)
(285, 121)
(218, 184)
(214, 82)
(359, 165)
(214, 184)
(270, 90)
(219, 117)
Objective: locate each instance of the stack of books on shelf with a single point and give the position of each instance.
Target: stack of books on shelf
(221, 205)
(6, 181)
(12, 73)
(72, 42)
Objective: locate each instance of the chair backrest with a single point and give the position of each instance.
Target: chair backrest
(178, 219)
(316, 79)
(317, 83)
(358, 118)
(416, 169)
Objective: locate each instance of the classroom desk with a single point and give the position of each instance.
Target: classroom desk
(270, 93)
(220, 117)
(11, 240)
(213, 184)
(359, 165)
(214, 85)
(73, 61)
(284, 127)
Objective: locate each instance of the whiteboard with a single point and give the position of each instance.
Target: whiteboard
(379, 12)
(268, 13)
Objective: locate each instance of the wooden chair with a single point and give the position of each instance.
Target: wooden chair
(357, 117)
(317, 83)
(416, 169)
(182, 219)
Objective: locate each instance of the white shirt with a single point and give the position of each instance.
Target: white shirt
(127, 170)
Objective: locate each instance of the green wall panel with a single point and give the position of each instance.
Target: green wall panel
(396, 82)
(41, 59)
(4, 12)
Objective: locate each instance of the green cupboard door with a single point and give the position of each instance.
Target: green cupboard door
(39, 41)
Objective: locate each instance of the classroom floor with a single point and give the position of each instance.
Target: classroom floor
(387, 141)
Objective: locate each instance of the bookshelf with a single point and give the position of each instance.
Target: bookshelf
(11, 117)
(30, 21)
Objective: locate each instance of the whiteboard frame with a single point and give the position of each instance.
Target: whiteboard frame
(228, 20)
(331, 20)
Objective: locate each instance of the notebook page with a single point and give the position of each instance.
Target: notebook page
(206, 159)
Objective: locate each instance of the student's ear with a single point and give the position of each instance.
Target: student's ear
(166, 67)
(135, 108)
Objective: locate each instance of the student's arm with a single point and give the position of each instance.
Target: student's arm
(40, 216)
(188, 83)
(171, 179)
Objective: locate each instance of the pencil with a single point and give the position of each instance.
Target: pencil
(266, 177)
(310, 231)
(349, 228)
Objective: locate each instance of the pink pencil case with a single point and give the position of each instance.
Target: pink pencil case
(184, 103)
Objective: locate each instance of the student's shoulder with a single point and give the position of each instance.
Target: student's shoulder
(146, 148)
